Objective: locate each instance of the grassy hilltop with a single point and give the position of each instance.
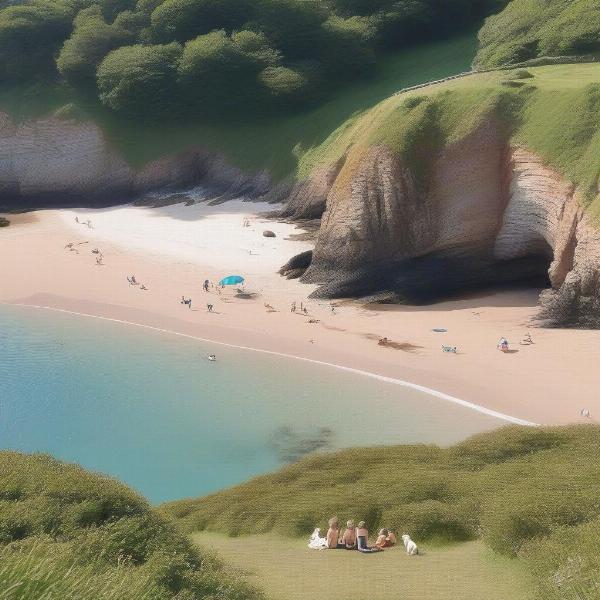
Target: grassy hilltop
(552, 110)
(67, 534)
(529, 494)
(528, 29)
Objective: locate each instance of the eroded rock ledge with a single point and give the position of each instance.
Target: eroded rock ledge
(58, 162)
(492, 214)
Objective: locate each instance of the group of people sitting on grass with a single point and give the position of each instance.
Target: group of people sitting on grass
(352, 538)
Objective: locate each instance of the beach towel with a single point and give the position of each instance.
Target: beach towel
(316, 542)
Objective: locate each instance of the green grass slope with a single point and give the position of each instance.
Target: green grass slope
(528, 29)
(521, 490)
(67, 534)
(552, 110)
(466, 571)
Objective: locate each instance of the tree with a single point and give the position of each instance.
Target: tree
(140, 79)
(29, 36)
(283, 83)
(218, 71)
(183, 20)
(91, 41)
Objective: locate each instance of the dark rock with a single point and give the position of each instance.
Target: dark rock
(268, 233)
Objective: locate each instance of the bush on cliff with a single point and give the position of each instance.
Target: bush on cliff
(312, 42)
(69, 534)
(518, 488)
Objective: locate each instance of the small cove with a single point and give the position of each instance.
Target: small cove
(148, 408)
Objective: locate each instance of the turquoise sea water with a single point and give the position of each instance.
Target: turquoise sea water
(148, 408)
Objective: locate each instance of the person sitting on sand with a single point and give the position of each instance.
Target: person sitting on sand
(362, 539)
(503, 345)
(383, 341)
(349, 536)
(333, 533)
(143, 287)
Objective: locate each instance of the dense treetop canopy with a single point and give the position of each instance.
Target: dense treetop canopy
(151, 57)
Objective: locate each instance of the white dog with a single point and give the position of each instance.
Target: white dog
(411, 547)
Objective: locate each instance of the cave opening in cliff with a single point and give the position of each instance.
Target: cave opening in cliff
(430, 279)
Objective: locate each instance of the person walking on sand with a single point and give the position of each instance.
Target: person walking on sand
(293, 307)
(76, 219)
(209, 307)
(206, 284)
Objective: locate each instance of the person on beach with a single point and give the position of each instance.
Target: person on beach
(503, 345)
(333, 533)
(385, 539)
(209, 307)
(362, 539)
(293, 307)
(206, 284)
(391, 538)
(99, 260)
(349, 536)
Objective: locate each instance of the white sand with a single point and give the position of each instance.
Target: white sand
(172, 250)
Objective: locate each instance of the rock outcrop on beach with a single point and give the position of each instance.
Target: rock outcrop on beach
(493, 213)
(56, 162)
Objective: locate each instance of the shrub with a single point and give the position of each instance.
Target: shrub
(66, 533)
(91, 41)
(140, 79)
(4, 222)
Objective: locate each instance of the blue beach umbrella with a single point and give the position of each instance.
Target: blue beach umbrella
(231, 280)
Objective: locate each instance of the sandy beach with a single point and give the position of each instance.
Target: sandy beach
(172, 250)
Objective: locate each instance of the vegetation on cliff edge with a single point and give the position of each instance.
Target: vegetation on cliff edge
(67, 534)
(527, 29)
(173, 58)
(555, 112)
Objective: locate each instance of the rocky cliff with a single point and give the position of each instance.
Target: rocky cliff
(54, 161)
(492, 213)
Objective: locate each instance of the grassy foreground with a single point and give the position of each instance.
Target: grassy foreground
(287, 570)
(67, 534)
(520, 490)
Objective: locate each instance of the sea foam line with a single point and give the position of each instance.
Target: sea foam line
(393, 380)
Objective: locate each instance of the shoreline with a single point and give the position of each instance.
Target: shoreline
(173, 249)
(392, 380)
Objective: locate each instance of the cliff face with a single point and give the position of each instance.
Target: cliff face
(490, 214)
(53, 161)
